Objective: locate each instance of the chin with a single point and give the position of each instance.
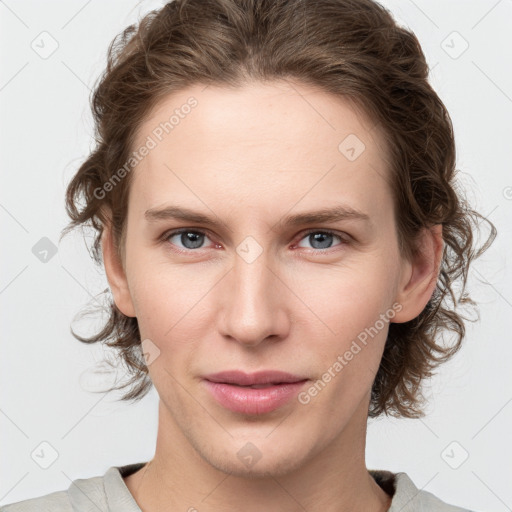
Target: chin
(256, 457)
(276, 465)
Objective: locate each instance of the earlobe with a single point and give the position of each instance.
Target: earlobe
(116, 275)
(419, 277)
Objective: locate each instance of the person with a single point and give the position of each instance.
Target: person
(274, 196)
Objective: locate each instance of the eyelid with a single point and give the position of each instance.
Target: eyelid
(341, 234)
(344, 237)
(177, 231)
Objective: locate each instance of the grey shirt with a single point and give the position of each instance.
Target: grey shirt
(108, 493)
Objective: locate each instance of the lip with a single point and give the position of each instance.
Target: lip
(230, 389)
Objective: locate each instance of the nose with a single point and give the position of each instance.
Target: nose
(252, 305)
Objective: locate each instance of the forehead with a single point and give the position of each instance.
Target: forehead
(261, 143)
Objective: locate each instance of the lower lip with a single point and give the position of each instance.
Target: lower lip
(248, 400)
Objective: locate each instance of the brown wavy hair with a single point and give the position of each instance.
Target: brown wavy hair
(353, 49)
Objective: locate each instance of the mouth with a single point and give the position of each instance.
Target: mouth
(256, 393)
(261, 378)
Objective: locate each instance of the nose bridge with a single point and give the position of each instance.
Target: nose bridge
(252, 305)
(252, 280)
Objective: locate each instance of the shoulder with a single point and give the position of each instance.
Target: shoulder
(83, 494)
(406, 497)
(86, 495)
(55, 502)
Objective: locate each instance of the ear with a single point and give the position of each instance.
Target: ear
(419, 277)
(116, 275)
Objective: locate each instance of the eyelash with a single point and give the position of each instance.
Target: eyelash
(344, 238)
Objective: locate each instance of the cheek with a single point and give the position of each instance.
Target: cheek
(174, 311)
(161, 293)
(352, 309)
(346, 300)
(347, 357)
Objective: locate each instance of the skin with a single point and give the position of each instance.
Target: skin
(248, 157)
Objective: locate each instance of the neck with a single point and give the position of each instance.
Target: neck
(333, 480)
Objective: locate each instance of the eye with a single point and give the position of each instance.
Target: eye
(322, 239)
(188, 238)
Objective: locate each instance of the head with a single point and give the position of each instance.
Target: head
(252, 114)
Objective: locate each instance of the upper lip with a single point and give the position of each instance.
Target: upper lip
(248, 379)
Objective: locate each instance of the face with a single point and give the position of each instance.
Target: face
(260, 283)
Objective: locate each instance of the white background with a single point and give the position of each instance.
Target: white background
(46, 379)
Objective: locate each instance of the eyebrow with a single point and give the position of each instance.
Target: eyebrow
(324, 215)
